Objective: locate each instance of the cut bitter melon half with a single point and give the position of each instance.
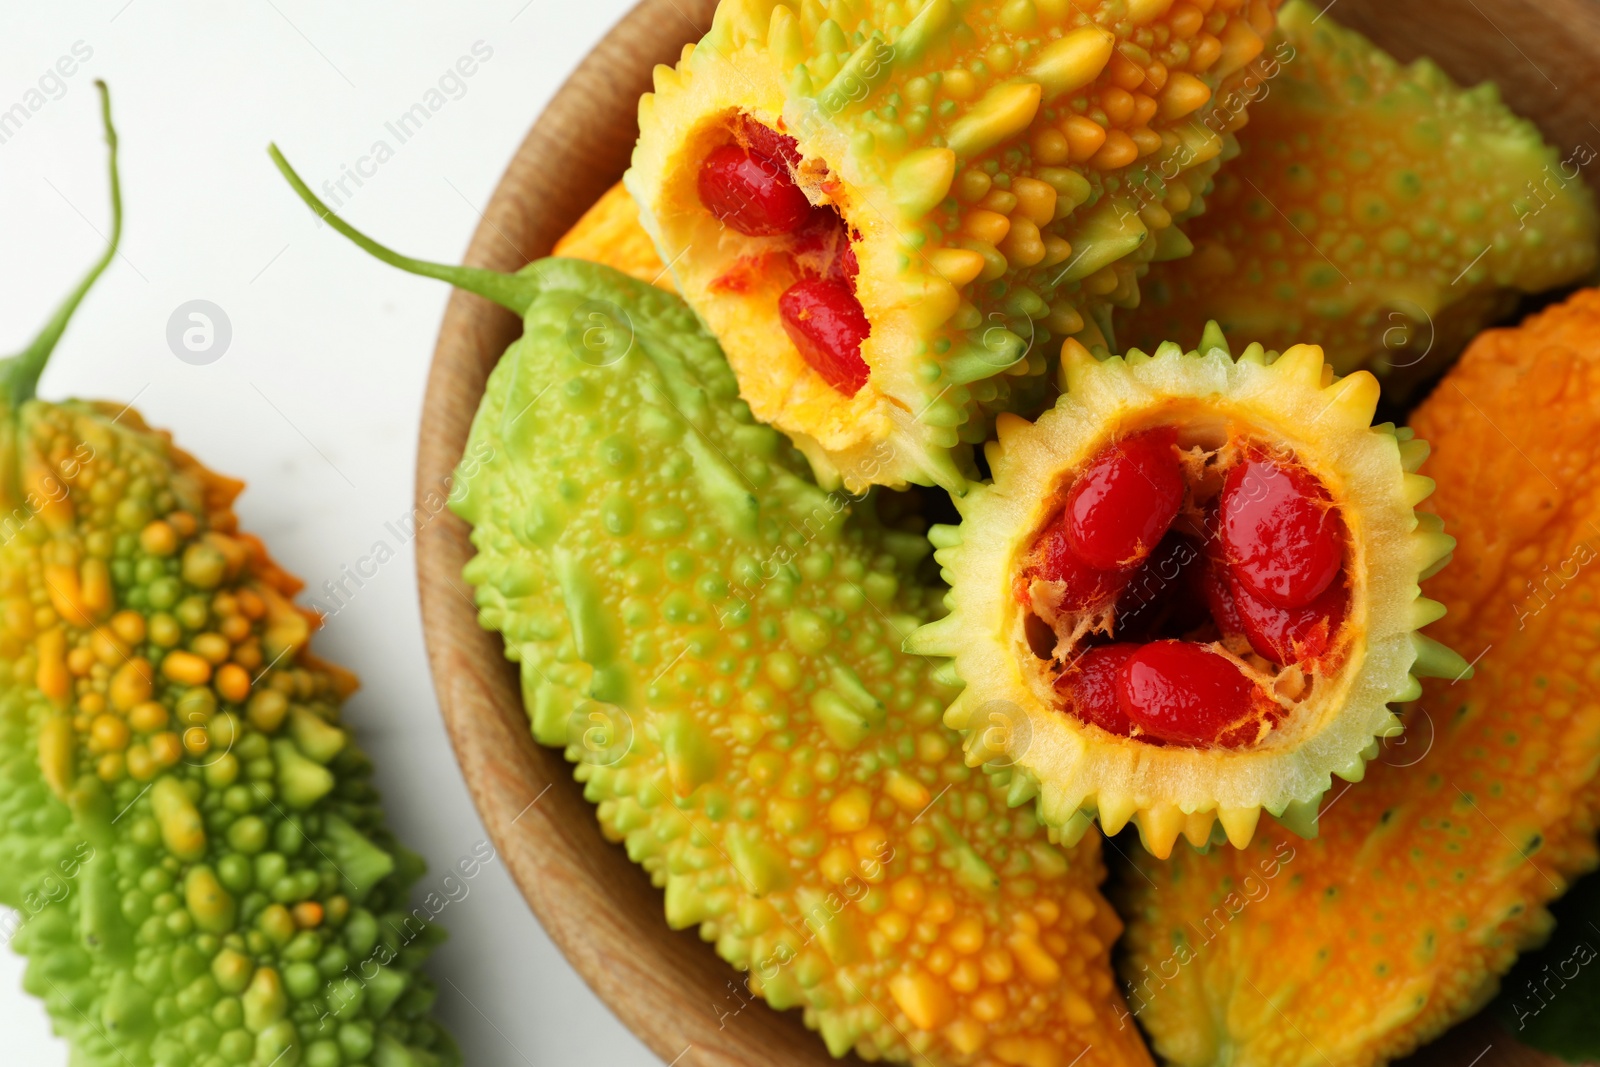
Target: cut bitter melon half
(884, 210)
(1190, 592)
(1429, 877)
(1376, 209)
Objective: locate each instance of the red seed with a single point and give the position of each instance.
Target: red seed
(1219, 599)
(822, 248)
(768, 142)
(825, 321)
(1289, 635)
(1090, 685)
(1125, 499)
(1280, 531)
(1088, 588)
(845, 266)
(1187, 693)
(751, 192)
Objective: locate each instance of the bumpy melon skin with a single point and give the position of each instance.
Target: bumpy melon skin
(1430, 876)
(161, 813)
(969, 147)
(1378, 210)
(715, 641)
(1082, 772)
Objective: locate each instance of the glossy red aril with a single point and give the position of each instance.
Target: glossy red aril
(825, 321)
(1086, 587)
(1219, 598)
(1289, 635)
(1090, 683)
(1125, 499)
(1282, 537)
(1187, 693)
(751, 192)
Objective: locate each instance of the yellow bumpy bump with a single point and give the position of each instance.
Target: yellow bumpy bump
(1007, 168)
(1429, 877)
(1378, 210)
(715, 641)
(1009, 713)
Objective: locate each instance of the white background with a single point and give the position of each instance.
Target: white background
(316, 401)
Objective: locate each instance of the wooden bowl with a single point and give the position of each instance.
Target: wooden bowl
(599, 907)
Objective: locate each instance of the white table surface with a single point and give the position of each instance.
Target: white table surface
(316, 401)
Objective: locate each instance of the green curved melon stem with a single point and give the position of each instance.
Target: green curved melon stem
(19, 374)
(511, 291)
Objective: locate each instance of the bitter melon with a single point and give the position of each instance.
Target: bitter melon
(715, 642)
(1378, 210)
(890, 212)
(1244, 536)
(191, 840)
(1428, 877)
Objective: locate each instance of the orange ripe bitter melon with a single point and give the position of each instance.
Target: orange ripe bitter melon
(1430, 876)
(945, 186)
(714, 640)
(1376, 209)
(189, 834)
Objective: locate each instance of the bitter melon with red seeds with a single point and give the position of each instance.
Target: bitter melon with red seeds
(1427, 878)
(715, 641)
(981, 178)
(1376, 209)
(189, 835)
(1190, 592)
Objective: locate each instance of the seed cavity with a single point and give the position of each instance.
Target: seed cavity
(751, 184)
(1187, 591)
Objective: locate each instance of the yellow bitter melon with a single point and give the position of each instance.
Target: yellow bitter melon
(1430, 876)
(715, 642)
(1000, 170)
(1022, 631)
(1378, 210)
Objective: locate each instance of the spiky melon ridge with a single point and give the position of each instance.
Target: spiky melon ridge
(999, 170)
(1081, 771)
(1428, 879)
(1377, 209)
